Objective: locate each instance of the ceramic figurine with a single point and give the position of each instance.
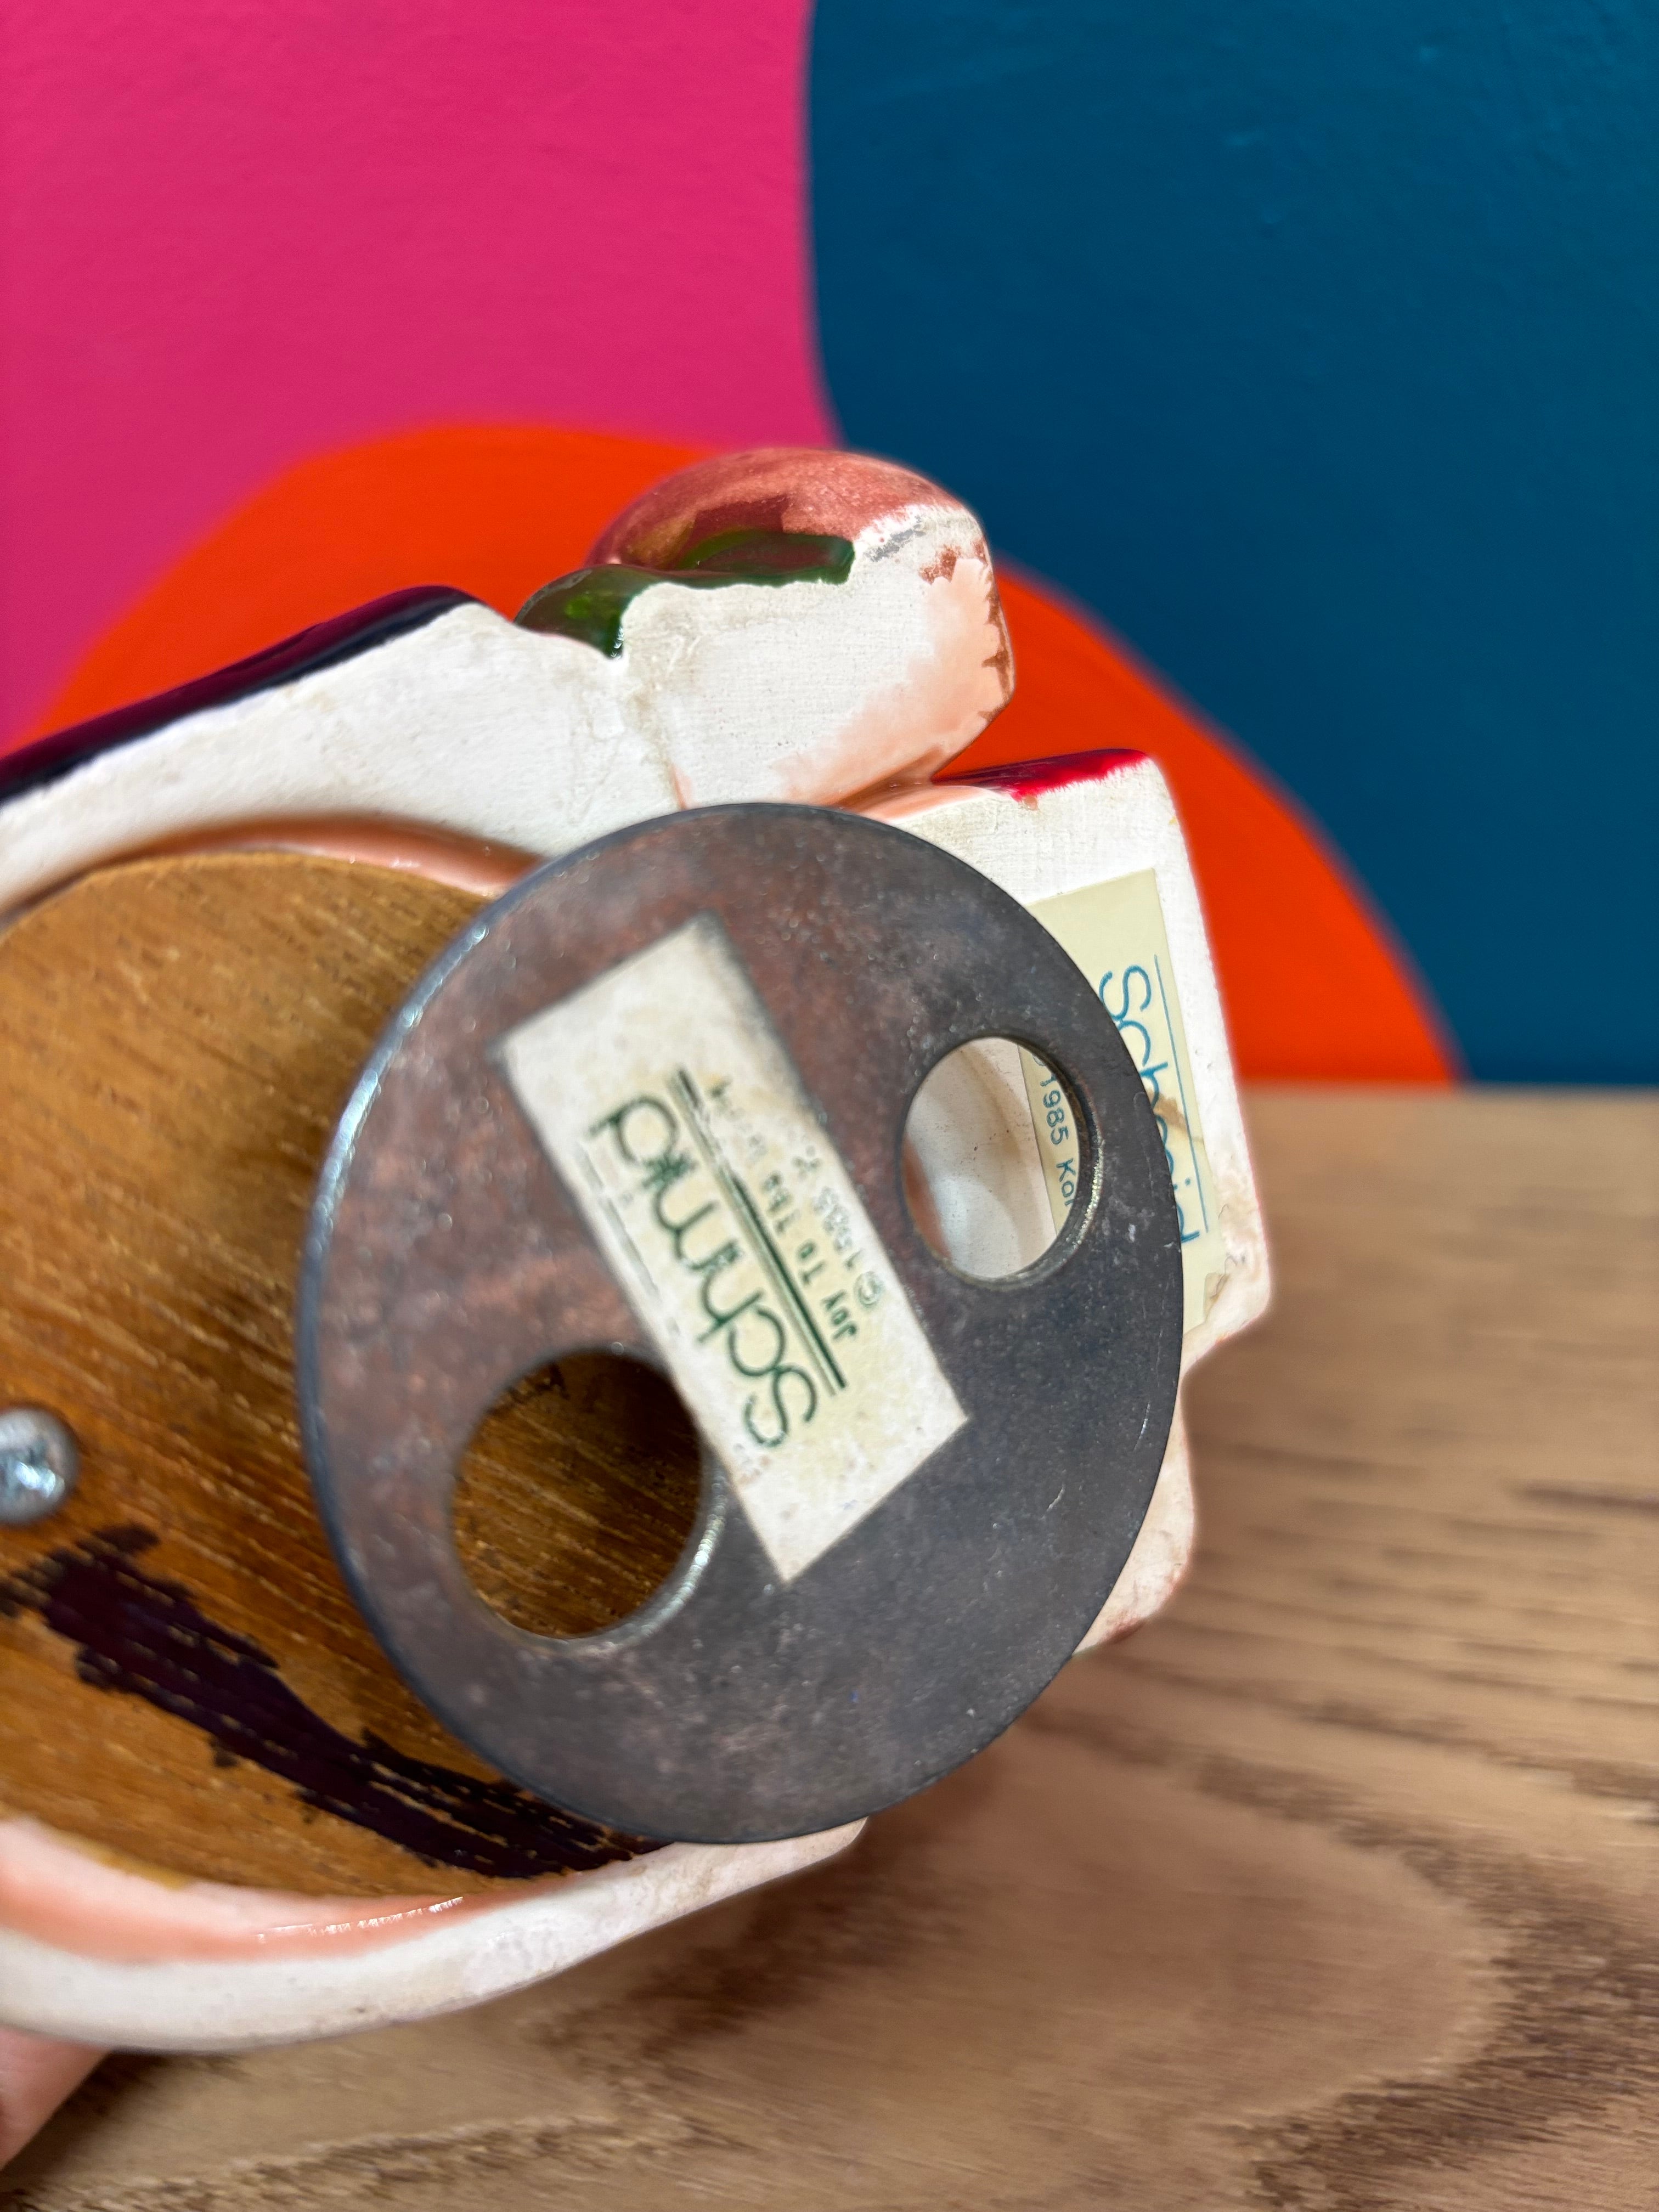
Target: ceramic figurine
(227, 1820)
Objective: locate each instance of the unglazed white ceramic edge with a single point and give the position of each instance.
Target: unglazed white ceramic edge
(197, 2005)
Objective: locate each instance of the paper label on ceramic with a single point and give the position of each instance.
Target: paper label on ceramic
(664, 1097)
(1115, 932)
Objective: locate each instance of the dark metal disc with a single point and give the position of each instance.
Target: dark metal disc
(878, 1585)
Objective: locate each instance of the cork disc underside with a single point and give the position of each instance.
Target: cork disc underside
(187, 1682)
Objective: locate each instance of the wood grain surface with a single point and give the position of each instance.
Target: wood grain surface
(1334, 1889)
(187, 1682)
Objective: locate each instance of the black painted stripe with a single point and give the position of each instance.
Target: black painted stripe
(137, 1634)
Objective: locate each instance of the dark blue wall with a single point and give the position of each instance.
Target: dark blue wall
(1317, 347)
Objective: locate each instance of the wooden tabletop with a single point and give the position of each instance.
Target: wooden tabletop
(1335, 1888)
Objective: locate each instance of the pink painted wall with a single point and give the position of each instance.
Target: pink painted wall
(238, 234)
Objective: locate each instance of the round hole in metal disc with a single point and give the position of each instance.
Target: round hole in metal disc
(578, 1494)
(991, 1157)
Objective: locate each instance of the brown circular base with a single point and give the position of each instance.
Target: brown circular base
(187, 1682)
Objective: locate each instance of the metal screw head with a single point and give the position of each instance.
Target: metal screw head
(39, 1460)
